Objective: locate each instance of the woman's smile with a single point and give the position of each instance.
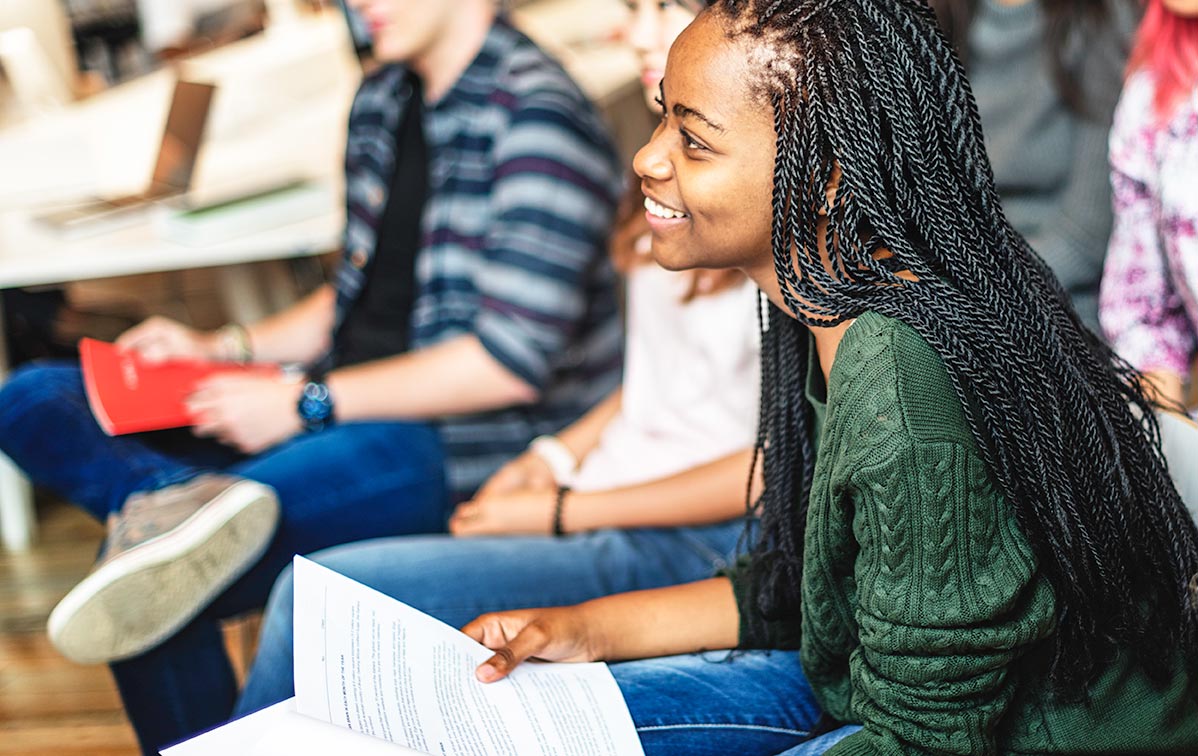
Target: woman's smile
(662, 218)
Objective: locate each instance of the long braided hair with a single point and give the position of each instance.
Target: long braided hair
(870, 101)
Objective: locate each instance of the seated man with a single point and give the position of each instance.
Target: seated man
(474, 310)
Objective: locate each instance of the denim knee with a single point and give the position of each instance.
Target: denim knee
(35, 384)
(282, 599)
(270, 679)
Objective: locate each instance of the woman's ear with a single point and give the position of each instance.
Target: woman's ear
(830, 190)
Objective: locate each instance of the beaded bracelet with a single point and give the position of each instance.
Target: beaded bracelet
(558, 506)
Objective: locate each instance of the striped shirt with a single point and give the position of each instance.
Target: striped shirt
(523, 182)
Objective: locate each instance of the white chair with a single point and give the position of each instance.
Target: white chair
(1179, 439)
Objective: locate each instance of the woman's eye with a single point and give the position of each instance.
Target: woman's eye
(662, 106)
(689, 142)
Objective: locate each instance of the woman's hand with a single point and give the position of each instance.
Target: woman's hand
(525, 512)
(559, 634)
(248, 412)
(680, 619)
(1166, 388)
(158, 339)
(527, 471)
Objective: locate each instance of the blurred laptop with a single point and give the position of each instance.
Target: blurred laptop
(173, 169)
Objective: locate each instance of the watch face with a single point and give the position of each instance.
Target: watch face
(315, 404)
(317, 392)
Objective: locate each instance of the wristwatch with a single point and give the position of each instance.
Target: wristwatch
(315, 406)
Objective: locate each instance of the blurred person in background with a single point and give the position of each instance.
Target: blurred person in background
(473, 310)
(1046, 75)
(1150, 287)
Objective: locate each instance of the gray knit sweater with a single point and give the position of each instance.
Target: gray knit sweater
(1050, 163)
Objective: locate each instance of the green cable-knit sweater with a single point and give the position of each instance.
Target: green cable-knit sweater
(924, 615)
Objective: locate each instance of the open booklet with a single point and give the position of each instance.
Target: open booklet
(368, 665)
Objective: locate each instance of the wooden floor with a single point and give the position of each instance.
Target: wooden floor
(49, 705)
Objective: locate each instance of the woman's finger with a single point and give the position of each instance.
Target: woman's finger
(459, 522)
(528, 643)
(506, 479)
(469, 528)
(492, 630)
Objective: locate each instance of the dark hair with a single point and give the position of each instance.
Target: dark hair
(1063, 19)
(869, 100)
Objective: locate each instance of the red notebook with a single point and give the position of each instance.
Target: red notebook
(128, 395)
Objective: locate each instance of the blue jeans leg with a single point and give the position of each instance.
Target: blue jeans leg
(819, 745)
(456, 580)
(755, 703)
(353, 481)
(48, 430)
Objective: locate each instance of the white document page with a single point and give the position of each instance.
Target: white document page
(280, 730)
(377, 666)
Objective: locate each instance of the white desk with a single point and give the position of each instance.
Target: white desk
(281, 110)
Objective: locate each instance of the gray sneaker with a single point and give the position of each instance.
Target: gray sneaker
(168, 554)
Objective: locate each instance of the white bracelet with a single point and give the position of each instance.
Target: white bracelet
(562, 462)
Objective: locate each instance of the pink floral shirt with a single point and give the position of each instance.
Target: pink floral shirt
(1148, 304)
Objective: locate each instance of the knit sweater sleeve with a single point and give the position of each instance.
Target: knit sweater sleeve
(755, 631)
(949, 597)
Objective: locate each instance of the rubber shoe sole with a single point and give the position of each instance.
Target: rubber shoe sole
(147, 594)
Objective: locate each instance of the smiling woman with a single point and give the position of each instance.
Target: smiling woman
(970, 541)
(702, 181)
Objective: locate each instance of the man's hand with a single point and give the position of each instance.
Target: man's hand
(249, 413)
(158, 339)
(525, 512)
(526, 472)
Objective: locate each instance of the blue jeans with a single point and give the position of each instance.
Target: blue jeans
(456, 580)
(350, 482)
(755, 703)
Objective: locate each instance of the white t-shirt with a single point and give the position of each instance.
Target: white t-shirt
(691, 381)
